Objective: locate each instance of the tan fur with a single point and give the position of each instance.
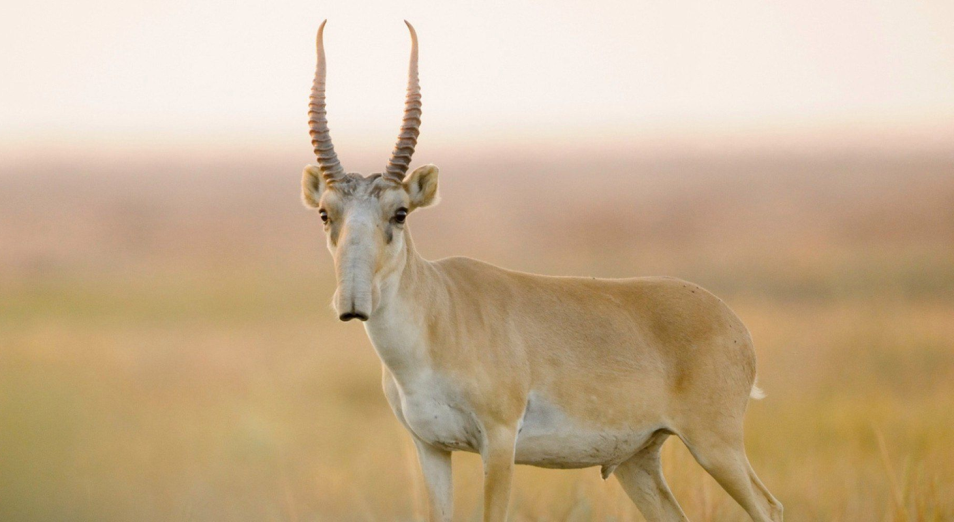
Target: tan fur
(475, 354)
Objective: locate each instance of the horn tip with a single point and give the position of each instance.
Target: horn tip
(321, 30)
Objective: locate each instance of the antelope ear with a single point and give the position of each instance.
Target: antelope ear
(312, 185)
(421, 186)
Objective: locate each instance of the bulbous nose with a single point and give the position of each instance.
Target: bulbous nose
(354, 266)
(347, 316)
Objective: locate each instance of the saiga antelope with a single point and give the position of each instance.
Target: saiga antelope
(557, 372)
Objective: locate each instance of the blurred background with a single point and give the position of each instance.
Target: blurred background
(167, 346)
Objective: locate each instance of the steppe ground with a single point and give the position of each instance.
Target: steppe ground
(168, 351)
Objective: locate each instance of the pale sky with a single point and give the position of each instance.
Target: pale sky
(111, 73)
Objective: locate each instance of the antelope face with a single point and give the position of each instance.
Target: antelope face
(364, 216)
(364, 221)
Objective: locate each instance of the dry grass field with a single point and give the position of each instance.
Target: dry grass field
(168, 352)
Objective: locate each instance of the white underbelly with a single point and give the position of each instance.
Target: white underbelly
(547, 437)
(579, 449)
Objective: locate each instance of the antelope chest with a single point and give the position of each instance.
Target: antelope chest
(433, 410)
(429, 403)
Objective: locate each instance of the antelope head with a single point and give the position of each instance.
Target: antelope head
(364, 216)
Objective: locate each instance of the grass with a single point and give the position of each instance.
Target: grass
(247, 401)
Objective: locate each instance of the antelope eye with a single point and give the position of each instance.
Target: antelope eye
(324, 216)
(400, 215)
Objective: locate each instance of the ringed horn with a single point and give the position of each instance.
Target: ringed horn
(317, 118)
(411, 125)
(331, 168)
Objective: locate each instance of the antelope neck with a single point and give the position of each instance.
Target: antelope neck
(398, 327)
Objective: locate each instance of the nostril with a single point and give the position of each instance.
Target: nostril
(347, 316)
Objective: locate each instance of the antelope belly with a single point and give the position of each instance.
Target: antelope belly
(549, 438)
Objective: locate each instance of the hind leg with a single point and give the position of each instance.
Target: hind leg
(642, 480)
(723, 456)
